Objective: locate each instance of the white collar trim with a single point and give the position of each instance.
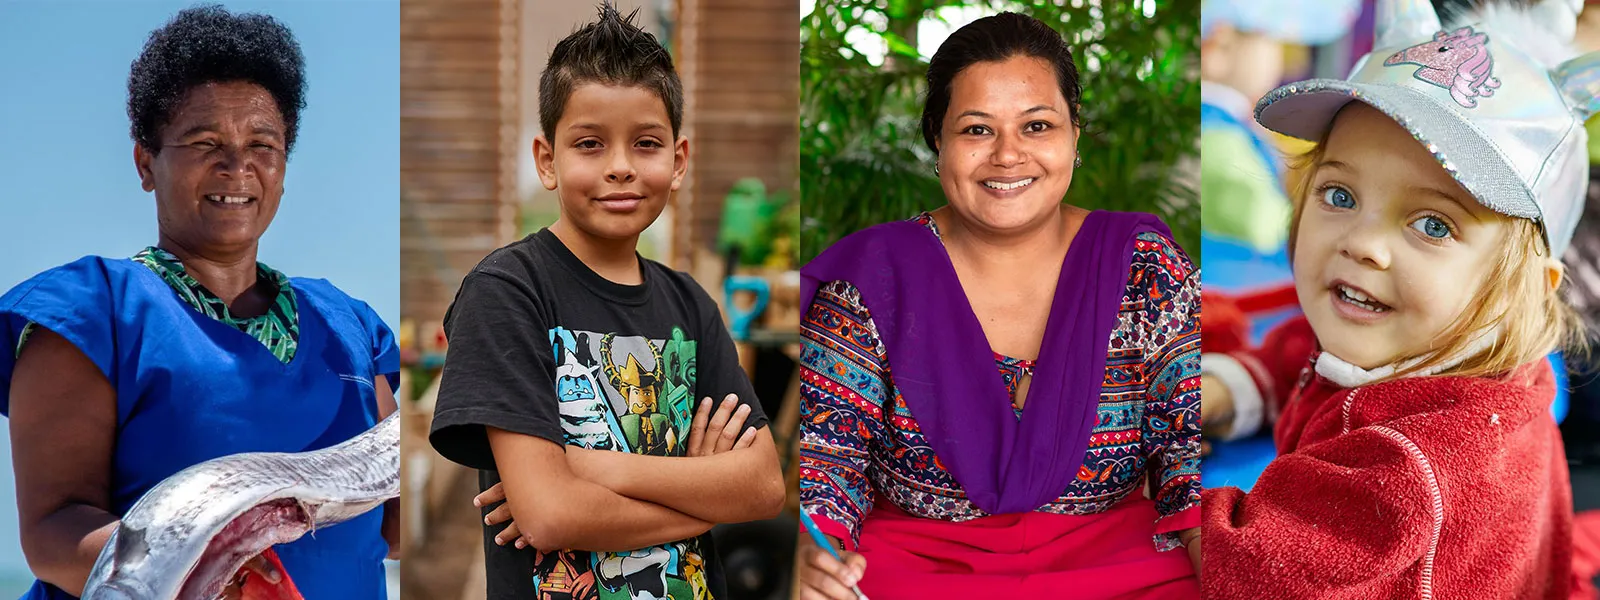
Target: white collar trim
(1347, 375)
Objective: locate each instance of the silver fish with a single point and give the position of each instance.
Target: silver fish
(187, 537)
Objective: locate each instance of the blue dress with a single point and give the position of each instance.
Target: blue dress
(191, 388)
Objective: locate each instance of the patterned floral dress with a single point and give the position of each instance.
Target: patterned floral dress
(861, 445)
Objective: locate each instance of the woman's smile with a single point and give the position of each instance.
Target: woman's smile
(230, 202)
(1006, 187)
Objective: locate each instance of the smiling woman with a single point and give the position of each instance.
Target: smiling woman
(234, 127)
(216, 168)
(1007, 422)
(117, 373)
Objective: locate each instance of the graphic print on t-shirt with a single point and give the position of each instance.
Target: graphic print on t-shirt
(627, 394)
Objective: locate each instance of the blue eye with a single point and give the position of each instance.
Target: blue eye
(1433, 227)
(1338, 197)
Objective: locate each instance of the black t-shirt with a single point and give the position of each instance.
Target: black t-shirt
(542, 345)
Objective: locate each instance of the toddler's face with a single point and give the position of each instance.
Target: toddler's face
(1390, 249)
(612, 159)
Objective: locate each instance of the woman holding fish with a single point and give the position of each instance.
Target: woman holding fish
(117, 373)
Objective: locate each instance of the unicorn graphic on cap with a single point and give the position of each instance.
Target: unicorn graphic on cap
(1458, 61)
(1495, 97)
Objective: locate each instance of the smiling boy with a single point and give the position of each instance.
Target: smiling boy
(574, 362)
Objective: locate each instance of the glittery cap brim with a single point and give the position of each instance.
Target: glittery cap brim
(1306, 110)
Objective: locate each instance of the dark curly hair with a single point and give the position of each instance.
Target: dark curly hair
(207, 44)
(613, 50)
(992, 39)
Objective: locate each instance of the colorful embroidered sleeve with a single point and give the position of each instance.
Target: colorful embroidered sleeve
(843, 387)
(1171, 287)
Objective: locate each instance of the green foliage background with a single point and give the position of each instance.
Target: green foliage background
(862, 161)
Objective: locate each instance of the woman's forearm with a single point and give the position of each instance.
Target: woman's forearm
(391, 526)
(61, 547)
(1196, 557)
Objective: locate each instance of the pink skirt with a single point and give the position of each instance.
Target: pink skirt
(1032, 555)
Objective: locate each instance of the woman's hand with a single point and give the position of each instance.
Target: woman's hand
(259, 566)
(709, 434)
(1191, 542)
(823, 577)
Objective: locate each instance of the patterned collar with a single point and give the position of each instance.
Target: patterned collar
(926, 219)
(278, 328)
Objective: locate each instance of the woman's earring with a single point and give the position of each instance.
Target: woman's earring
(1077, 162)
(936, 168)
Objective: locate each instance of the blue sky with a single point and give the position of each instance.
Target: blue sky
(67, 182)
(68, 186)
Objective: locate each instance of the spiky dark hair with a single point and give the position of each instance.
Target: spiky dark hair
(207, 44)
(613, 50)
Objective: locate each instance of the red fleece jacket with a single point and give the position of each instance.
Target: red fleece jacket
(1425, 487)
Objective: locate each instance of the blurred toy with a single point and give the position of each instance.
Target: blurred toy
(783, 311)
(748, 213)
(407, 339)
(1241, 53)
(741, 318)
(1228, 317)
(751, 226)
(785, 237)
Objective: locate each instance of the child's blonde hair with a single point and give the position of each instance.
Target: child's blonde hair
(1533, 318)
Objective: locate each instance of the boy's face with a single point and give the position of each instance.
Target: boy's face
(612, 159)
(1390, 249)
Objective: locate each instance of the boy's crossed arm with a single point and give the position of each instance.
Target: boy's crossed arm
(554, 508)
(727, 477)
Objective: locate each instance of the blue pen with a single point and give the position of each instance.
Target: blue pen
(821, 540)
